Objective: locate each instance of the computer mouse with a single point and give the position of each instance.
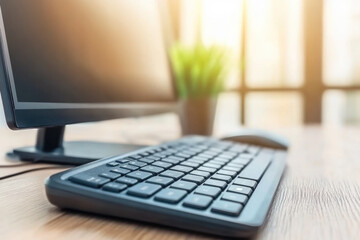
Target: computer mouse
(258, 137)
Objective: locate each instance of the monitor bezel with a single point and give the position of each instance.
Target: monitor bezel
(24, 117)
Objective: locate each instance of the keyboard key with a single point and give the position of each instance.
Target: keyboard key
(193, 178)
(208, 190)
(113, 164)
(213, 152)
(229, 153)
(188, 152)
(110, 175)
(152, 158)
(220, 160)
(234, 169)
(226, 156)
(170, 195)
(197, 149)
(205, 155)
(210, 165)
(235, 165)
(160, 155)
(190, 164)
(162, 164)
(177, 158)
(226, 208)
(152, 169)
(242, 161)
(216, 162)
(124, 160)
(129, 167)
(152, 151)
(144, 154)
(170, 151)
(114, 187)
(256, 167)
(240, 189)
(163, 181)
(183, 155)
(88, 180)
(137, 156)
(146, 160)
(215, 183)
(195, 161)
(234, 197)
(170, 160)
(120, 171)
(197, 201)
(182, 169)
(201, 173)
(137, 163)
(143, 190)
(140, 175)
(172, 174)
(207, 169)
(246, 155)
(183, 185)
(226, 172)
(198, 159)
(245, 182)
(127, 180)
(221, 177)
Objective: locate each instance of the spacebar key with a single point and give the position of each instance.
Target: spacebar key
(256, 167)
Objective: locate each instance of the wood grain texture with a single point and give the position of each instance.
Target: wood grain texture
(319, 197)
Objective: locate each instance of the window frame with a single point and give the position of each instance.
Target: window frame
(313, 87)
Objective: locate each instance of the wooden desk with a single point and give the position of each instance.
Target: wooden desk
(319, 197)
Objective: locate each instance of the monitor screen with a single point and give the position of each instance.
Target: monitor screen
(85, 53)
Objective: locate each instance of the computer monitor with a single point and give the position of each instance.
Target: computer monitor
(73, 61)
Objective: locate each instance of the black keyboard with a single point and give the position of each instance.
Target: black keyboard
(196, 183)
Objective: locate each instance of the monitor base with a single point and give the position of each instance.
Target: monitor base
(74, 153)
(50, 148)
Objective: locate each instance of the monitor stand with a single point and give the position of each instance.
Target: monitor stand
(51, 148)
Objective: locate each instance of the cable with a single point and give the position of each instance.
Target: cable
(15, 165)
(30, 170)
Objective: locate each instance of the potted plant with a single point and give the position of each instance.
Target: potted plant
(200, 74)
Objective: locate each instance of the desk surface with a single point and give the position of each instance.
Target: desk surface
(319, 197)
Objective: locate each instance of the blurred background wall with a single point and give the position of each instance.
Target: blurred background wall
(294, 61)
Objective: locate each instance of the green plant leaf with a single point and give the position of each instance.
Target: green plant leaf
(199, 70)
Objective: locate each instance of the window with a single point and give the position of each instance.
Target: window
(295, 61)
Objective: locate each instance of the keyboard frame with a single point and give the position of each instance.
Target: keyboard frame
(68, 195)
